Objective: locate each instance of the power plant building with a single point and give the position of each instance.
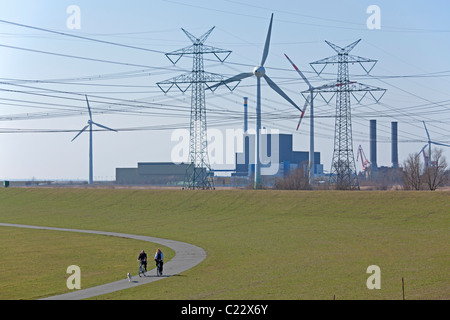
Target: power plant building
(277, 158)
(152, 173)
(277, 153)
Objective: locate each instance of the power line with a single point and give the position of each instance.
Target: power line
(79, 37)
(75, 57)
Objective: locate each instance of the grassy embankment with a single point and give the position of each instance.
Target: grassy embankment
(261, 244)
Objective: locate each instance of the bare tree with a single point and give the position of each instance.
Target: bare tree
(297, 180)
(413, 173)
(436, 175)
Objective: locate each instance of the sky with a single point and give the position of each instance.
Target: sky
(45, 76)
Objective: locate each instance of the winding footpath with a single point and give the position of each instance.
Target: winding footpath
(186, 256)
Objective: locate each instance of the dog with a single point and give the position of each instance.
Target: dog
(129, 277)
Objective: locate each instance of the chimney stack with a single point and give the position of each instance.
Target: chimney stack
(245, 115)
(394, 138)
(373, 144)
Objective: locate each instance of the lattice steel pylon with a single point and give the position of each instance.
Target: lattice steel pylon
(343, 169)
(198, 174)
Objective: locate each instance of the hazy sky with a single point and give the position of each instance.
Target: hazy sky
(39, 117)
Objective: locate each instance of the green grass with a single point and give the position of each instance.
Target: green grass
(34, 262)
(266, 244)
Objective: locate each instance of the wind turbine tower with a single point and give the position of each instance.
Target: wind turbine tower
(89, 125)
(260, 72)
(428, 163)
(311, 93)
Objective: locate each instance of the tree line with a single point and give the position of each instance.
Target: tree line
(414, 174)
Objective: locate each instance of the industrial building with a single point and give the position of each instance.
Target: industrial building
(152, 173)
(277, 150)
(278, 159)
(277, 153)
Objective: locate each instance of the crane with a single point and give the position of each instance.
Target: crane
(365, 163)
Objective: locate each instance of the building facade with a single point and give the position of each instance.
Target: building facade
(152, 173)
(277, 156)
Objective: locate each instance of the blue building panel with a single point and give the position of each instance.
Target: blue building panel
(287, 158)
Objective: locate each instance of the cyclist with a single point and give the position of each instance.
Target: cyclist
(159, 258)
(143, 261)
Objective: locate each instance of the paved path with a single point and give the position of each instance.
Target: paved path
(186, 256)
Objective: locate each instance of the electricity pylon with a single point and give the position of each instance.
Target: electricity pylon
(198, 174)
(343, 169)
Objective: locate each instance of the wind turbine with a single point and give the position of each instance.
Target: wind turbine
(311, 128)
(260, 72)
(309, 101)
(89, 125)
(428, 164)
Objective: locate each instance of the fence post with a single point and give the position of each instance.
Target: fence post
(403, 288)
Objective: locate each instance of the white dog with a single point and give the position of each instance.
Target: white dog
(129, 277)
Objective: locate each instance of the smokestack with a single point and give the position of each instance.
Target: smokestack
(373, 144)
(245, 115)
(394, 138)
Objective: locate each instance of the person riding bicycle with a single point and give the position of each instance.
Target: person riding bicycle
(143, 260)
(159, 258)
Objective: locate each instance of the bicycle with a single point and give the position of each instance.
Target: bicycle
(159, 268)
(142, 268)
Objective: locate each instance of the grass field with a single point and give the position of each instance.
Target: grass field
(261, 244)
(34, 262)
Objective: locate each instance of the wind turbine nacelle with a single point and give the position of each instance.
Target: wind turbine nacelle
(259, 71)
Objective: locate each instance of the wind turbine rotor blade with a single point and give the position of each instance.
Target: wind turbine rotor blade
(266, 46)
(299, 72)
(279, 91)
(303, 113)
(426, 130)
(423, 148)
(104, 127)
(82, 130)
(440, 144)
(89, 108)
(235, 78)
